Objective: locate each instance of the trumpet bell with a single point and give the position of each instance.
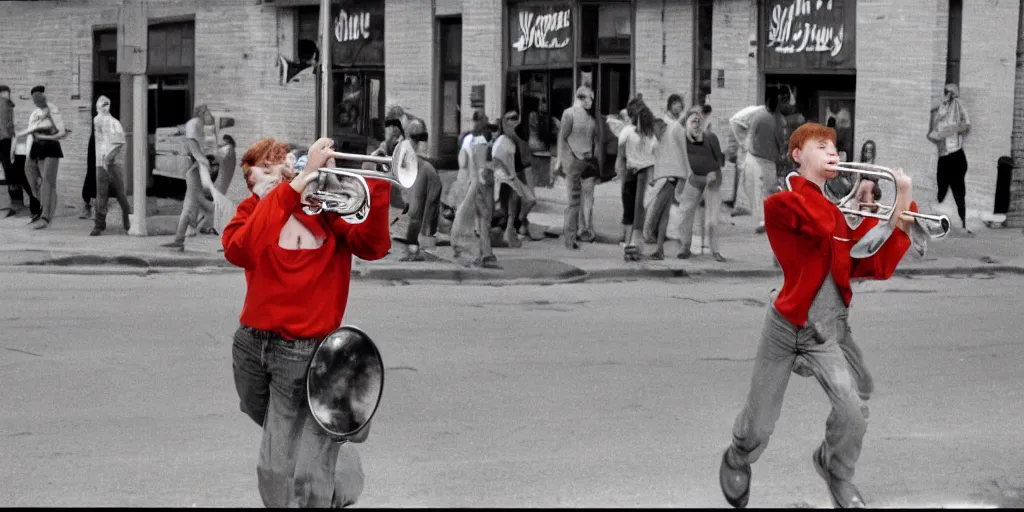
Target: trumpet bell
(345, 382)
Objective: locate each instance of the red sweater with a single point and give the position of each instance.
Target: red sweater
(810, 237)
(301, 293)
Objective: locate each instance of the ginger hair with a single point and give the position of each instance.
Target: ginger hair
(810, 131)
(264, 153)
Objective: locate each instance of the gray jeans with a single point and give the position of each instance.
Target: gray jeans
(299, 465)
(42, 179)
(109, 180)
(784, 348)
(195, 203)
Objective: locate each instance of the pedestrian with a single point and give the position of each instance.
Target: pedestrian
(298, 271)
(481, 154)
(510, 203)
(45, 131)
(511, 173)
(671, 168)
(634, 165)
(225, 170)
(580, 159)
(14, 180)
(89, 185)
(949, 125)
(423, 199)
(674, 109)
(704, 182)
(463, 196)
(739, 123)
(19, 155)
(198, 182)
(110, 140)
(807, 325)
(766, 143)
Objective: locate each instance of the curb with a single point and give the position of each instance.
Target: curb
(668, 273)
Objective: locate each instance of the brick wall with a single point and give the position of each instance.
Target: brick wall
(447, 7)
(664, 50)
(235, 72)
(734, 26)
(482, 55)
(409, 41)
(988, 54)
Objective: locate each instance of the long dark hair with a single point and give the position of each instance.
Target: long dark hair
(645, 121)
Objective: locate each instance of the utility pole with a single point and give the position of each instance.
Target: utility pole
(132, 53)
(325, 70)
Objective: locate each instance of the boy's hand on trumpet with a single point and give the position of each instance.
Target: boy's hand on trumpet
(904, 196)
(318, 156)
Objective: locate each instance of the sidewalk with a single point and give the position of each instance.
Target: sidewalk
(66, 244)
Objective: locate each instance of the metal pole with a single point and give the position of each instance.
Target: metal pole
(325, 66)
(140, 156)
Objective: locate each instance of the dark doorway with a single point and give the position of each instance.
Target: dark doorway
(450, 122)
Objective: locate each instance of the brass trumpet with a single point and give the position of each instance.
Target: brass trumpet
(885, 213)
(344, 190)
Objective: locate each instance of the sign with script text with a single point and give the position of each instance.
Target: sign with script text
(358, 34)
(540, 33)
(809, 35)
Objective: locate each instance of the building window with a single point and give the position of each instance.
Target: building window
(307, 30)
(540, 97)
(702, 51)
(451, 84)
(605, 30)
(956, 12)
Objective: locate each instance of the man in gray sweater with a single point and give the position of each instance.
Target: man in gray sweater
(766, 142)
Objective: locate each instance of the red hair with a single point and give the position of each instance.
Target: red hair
(263, 153)
(810, 132)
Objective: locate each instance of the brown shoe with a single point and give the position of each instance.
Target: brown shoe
(734, 481)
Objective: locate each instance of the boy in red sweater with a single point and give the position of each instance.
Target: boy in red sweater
(297, 270)
(806, 329)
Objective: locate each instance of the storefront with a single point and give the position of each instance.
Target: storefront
(808, 50)
(554, 47)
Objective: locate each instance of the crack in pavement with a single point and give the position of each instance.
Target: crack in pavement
(24, 352)
(410, 368)
(746, 301)
(727, 359)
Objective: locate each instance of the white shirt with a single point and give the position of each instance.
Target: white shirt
(108, 133)
(504, 151)
(639, 150)
(39, 118)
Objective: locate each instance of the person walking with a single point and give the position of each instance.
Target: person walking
(45, 131)
(197, 176)
(110, 140)
(634, 165)
(509, 171)
(704, 182)
(949, 125)
(14, 180)
(671, 168)
(766, 143)
(580, 160)
(89, 185)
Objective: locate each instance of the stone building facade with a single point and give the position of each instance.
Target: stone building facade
(438, 53)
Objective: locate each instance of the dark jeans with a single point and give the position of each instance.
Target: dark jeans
(18, 173)
(299, 464)
(634, 184)
(424, 206)
(950, 176)
(14, 181)
(107, 181)
(782, 348)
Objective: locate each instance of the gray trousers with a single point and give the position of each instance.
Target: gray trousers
(195, 203)
(695, 188)
(42, 179)
(107, 180)
(784, 349)
(573, 168)
(424, 206)
(299, 465)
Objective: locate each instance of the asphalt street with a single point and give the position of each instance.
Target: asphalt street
(117, 391)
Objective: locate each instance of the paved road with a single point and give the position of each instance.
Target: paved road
(117, 391)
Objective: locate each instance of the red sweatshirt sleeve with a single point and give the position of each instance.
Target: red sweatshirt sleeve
(257, 224)
(789, 211)
(371, 239)
(883, 263)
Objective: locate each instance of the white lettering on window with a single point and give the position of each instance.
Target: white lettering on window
(789, 33)
(534, 30)
(352, 27)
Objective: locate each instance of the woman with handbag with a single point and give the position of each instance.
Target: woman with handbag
(45, 131)
(635, 163)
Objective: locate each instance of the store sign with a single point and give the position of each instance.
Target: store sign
(543, 31)
(540, 33)
(809, 34)
(358, 34)
(352, 26)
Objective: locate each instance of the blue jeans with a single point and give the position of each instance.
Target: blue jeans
(840, 372)
(299, 464)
